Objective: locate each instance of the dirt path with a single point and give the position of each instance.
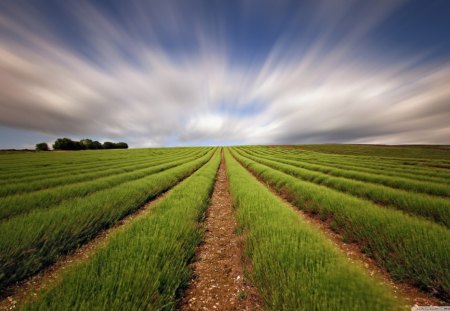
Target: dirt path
(412, 295)
(218, 282)
(15, 295)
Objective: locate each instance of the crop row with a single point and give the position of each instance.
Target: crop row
(88, 174)
(404, 153)
(21, 163)
(394, 170)
(12, 206)
(434, 208)
(33, 173)
(364, 159)
(371, 165)
(31, 241)
(294, 265)
(411, 249)
(143, 266)
(431, 188)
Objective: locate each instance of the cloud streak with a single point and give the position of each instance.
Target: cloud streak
(164, 73)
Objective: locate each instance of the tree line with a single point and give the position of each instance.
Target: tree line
(84, 144)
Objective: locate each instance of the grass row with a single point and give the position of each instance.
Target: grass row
(407, 164)
(411, 249)
(33, 173)
(294, 266)
(18, 204)
(77, 176)
(396, 152)
(57, 160)
(32, 241)
(144, 266)
(431, 188)
(367, 164)
(394, 170)
(434, 208)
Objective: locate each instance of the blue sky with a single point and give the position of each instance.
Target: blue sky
(167, 73)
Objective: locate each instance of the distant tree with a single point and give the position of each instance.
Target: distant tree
(87, 143)
(121, 145)
(67, 144)
(64, 144)
(42, 147)
(108, 145)
(96, 145)
(78, 146)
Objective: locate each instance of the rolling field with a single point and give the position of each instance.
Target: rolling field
(318, 227)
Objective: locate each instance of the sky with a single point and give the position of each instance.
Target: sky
(189, 72)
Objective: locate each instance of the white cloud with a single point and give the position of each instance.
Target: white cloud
(151, 97)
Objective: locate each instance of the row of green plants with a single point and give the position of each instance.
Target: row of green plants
(409, 248)
(411, 153)
(434, 208)
(374, 165)
(41, 159)
(143, 266)
(414, 185)
(294, 266)
(73, 161)
(32, 241)
(81, 175)
(394, 170)
(18, 204)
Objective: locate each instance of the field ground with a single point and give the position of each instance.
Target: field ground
(304, 227)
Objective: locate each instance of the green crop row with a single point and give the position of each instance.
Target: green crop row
(294, 265)
(143, 266)
(406, 153)
(395, 182)
(433, 208)
(33, 173)
(12, 206)
(365, 159)
(411, 249)
(32, 241)
(60, 162)
(395, 170)
(41, 161)
(89, 174)
(365, 164)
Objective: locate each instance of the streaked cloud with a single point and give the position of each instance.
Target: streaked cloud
(167, 73)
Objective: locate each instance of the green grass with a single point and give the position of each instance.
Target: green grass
(64, 163)
(413, 185)
(414, 152)
(144, 266)
(434, 208)
(409, 248)
(378, 197)
(32, 241)
(77, 174)
(294, 266)
(12, 206)
(376, 165)
(18, 167)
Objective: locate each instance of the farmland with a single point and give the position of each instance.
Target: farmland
(308, 227)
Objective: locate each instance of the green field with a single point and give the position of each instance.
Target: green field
(393, 202)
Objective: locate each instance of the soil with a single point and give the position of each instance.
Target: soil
(15, 295)
(218, 281)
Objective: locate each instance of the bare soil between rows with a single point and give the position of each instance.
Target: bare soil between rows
(218, 281)
(410, 294)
